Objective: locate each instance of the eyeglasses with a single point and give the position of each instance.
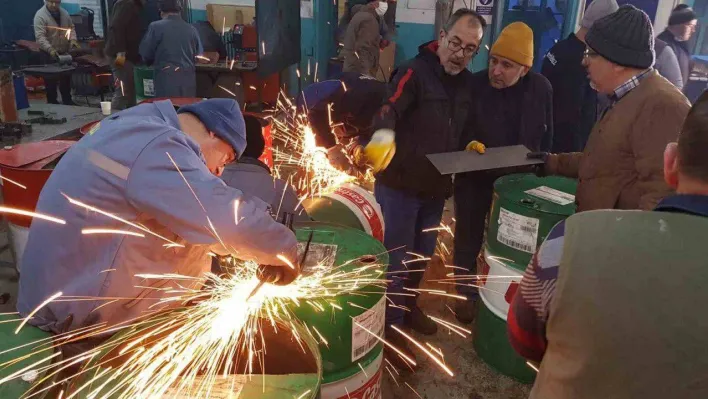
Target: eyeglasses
(455, 46)
(590, 53)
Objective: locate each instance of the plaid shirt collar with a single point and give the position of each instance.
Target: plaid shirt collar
(629, 85)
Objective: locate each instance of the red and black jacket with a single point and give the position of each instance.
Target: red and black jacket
(428, 110)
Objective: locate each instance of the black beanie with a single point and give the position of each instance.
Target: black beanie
(255, 143)
(624, 37)
(682, 14)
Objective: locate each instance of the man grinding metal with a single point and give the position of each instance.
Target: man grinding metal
(145, 165)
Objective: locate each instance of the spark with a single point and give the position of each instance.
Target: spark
(304, 394)
(362, 370)
(426, 351)
(286, 261)
(263, 47)
(112, 231)
(13, 182)
(112, 216)
(122, 89)
(236, 205)
(252, 87)
(227, 90)
(32, 313)
(22, 212)
(383, 341)
(414, 391)
(223, 27)
(203, 58)
(392, 376)
(532, 366)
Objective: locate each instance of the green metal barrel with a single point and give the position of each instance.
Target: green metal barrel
(144, 83)
(524, 210)
(24, 351)
(287, 353)
(349, 348)
(349, 205)
(491, 343)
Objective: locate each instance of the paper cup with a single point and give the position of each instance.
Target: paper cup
(106, 107)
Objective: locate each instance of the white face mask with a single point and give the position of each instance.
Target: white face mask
(382, 8)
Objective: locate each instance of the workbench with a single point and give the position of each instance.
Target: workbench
(75, 118)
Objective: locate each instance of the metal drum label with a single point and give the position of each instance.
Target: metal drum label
(551, 194)
(371, 390)
(373, 320)
(517, 231)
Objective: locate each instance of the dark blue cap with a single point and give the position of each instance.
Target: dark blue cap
(223, 117)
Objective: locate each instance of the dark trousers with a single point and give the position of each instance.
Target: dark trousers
(405, 218)
(64, 84)
(473, 199)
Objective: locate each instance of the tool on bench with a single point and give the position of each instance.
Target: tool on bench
(16, 129)
(43, 118)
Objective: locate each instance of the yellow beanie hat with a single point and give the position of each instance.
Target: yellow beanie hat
(515, 43)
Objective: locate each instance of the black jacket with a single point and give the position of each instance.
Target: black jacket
(574, 101)
(125, 30)
(521, 114)
(428, 110)
(682, 53)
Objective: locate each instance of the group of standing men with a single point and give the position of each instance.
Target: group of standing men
(171, 46)
(615, 152)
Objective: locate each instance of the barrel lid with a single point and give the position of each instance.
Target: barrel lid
(337, 245)
(552, 194)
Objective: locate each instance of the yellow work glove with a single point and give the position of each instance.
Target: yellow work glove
(75, 45)
(475, 145)
(381, 149)
(120, 59)
(53, 53)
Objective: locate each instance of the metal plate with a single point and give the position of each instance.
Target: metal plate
(494, 158)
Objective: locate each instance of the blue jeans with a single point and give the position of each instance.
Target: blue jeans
(406, 216)
(473, 198)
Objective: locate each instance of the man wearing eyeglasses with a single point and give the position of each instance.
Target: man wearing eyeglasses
(512, 105)
(427, 106)
(621, 166)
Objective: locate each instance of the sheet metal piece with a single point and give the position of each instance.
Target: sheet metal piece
(494, 158)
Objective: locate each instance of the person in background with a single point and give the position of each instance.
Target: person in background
(54, 32)
(146, 164)
(172, 46)
(428, 107)
(612, 304)
(620, 167)
(125, 32)
(511, 105)
(682, 25)
(341, 112)
(667, 64)
(362, 40)
(575, 103)
(253, 177)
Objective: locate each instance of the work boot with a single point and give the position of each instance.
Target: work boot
(400, 342)
(420, 322)
(466, 311)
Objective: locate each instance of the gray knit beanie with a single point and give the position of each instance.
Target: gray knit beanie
(596, 10)
(625, 38)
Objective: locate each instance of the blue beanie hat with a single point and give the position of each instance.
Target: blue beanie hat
(223, 117)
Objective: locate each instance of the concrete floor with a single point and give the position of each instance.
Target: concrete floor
(473, 378)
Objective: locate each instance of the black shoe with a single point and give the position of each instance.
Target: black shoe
(420, 322)
(466, 311)
(400, 342)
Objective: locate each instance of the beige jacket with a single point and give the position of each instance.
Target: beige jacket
(50, 35)
(362, 42)
(622, 164)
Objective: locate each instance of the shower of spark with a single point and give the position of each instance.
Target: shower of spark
(299, 159)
